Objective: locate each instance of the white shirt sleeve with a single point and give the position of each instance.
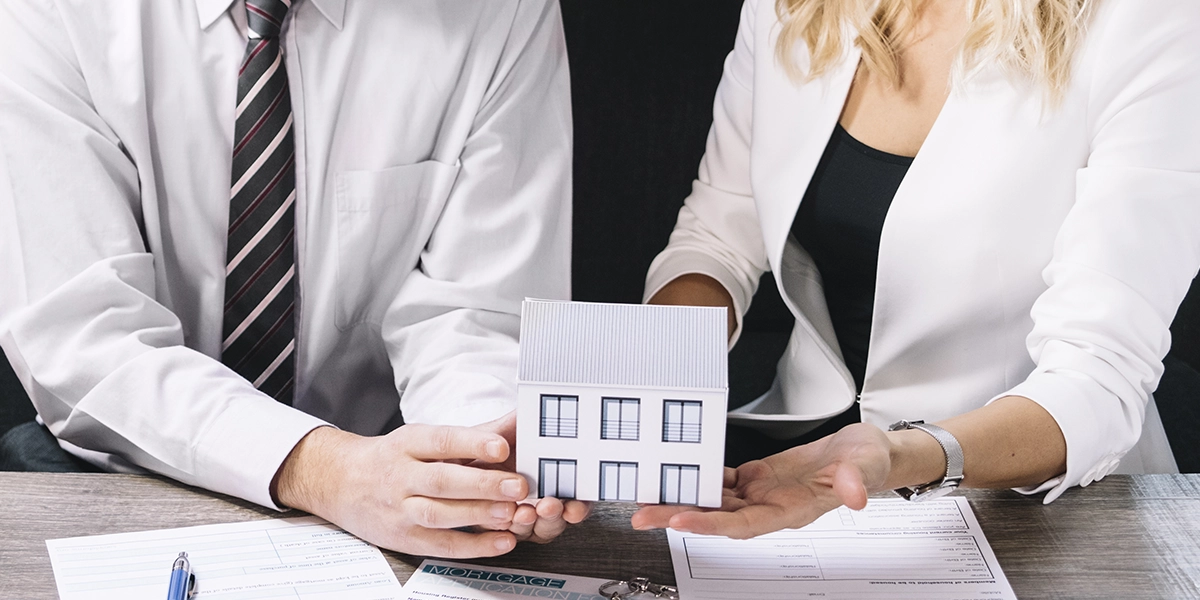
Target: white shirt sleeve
(81, 320)
(718, 232)
(1130, 246)
(504, 235)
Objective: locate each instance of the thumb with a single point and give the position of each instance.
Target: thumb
(848, 486)
(505, 427)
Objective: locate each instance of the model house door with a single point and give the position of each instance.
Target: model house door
(618, 481)
(680, 484)
(557, 478)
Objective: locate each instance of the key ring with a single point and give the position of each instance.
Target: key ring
(635, 586)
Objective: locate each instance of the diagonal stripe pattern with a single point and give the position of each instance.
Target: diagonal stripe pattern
(259, 328)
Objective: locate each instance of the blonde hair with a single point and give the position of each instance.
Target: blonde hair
(1037, 38)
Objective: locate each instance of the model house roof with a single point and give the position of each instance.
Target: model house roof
(629, 345)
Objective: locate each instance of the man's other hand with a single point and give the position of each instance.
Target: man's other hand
(411, 489)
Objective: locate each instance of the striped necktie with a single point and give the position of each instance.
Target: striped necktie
(259, 329)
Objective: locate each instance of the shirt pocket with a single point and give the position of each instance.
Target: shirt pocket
(384, 219)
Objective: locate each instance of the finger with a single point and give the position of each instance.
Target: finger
(523, 521)
(550, 523)
(450, 543)
(744, 523)
(730, 478)
(849, 487)
(505, 526)
(657, 516)
(505, 427)
(741, 524)
(444, 442)
(452, 481)
(438, 513)
(575, 511)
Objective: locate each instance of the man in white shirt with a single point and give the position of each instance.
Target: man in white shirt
(421, 179)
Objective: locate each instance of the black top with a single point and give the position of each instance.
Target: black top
(839, 223)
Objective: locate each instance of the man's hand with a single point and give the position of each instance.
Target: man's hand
(408, 490)
(789, 489)
(543, 519)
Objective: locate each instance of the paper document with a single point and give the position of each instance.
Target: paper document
(301, 558)
(440, 580)
(891, 549)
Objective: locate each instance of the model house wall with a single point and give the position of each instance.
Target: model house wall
(622, 402)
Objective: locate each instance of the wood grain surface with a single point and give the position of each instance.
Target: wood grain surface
(1124, 537)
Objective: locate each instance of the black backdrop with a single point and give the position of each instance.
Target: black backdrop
(643, 76)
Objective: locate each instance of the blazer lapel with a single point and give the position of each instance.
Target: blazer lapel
(792, 125)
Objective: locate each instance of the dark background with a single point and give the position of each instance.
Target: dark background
(643, 74)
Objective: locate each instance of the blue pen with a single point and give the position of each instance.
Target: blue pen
(182, 579)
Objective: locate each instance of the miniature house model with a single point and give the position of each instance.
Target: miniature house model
(621, 402)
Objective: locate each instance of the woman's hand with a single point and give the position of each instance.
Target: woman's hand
(789, 489)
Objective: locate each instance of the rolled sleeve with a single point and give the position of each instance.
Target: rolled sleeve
(1128, 250)
(718, 232)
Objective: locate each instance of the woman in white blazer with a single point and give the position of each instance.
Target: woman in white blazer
(1029, 265)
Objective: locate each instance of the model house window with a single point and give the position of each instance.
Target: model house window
(618, 481)
(620, 419)
(680, 484)
(560, 416)
(557, 478)
(681, 421)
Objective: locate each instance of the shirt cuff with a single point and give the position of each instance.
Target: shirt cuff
(245, 446)
(1091, 435)
(670, 266)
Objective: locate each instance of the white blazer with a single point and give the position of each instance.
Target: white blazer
(1031, 250)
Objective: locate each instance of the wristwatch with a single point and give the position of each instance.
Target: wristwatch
(954, 463)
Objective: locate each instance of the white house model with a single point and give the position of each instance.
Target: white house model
(620, 402)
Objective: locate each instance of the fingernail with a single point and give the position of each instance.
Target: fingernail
(511, 488)
(500, 510)
(503, 543)
(495, 448)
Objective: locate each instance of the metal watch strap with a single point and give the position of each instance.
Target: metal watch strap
(954, 462)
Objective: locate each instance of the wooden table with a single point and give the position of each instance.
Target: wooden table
(1124, 537)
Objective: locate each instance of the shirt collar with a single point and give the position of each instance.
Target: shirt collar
(210, 10)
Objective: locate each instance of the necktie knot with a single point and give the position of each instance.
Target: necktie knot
(265, 17)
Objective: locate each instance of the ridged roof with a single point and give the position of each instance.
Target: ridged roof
(623, 344)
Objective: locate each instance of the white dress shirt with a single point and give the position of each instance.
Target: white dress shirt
(1031, 250)
(433, 149)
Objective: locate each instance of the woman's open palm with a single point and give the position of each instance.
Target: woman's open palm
(789, 489)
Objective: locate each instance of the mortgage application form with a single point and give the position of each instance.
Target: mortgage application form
(303, 558)
(891, 549)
